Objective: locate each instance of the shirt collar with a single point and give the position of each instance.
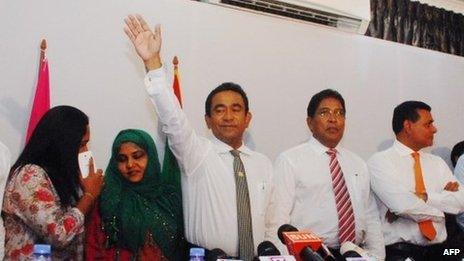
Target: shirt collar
(318, 147)
(402, 149)
(223, 148)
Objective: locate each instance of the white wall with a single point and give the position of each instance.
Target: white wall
(280, 63)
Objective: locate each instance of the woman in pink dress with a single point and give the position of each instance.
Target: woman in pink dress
(46, 199)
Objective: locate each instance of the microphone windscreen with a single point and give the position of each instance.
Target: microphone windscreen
(307, 254)
(285, 228)
(267, 248)
(216, 254)
(351, 253)
(325, 253)
(349, 248)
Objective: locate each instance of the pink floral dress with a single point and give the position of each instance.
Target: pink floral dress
(32, 214)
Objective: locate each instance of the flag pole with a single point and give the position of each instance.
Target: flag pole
(41, 103)
(43, 48)
(176, 84)
(175, 61)
(169, 161)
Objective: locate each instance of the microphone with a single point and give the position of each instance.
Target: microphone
(307, 254)
(266, 248)
(216, 254)
(267, 251)
(350, 250)
(325, 253)
(285, 228)
(299, 243)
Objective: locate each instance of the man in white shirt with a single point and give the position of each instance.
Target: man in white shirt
(458, 164)
(4, 171)
(216, 213)
(456, 153)
(414, 188)
(459, 169)
(323, 187)
(459, 174)
(455, 223)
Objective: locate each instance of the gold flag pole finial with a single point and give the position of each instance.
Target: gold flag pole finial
(175, 61)
(43, 48)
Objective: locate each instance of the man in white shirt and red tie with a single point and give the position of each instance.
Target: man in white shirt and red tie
(225, 185)
(414, 188)
(322, 187)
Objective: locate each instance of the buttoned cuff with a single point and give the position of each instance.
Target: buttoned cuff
(155, 81)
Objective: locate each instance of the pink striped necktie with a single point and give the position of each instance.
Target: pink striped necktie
(346, 227)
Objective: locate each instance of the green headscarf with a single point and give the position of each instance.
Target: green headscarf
(131, 210)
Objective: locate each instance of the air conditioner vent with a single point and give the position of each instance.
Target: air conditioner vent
(281, 8)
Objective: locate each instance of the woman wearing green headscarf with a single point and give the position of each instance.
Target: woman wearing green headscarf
(139, 216)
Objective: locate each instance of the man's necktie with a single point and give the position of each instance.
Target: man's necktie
(346, 224)
(245, 229)
(426, 227)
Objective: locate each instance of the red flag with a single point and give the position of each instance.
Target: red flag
(176, 84)
(170, 163)
(42, 94)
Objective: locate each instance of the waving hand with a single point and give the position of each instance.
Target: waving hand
(147, 43)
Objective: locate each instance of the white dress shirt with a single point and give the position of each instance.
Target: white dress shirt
(459, 169)
(459, 174)
(4, 171)
(304, 197)
(393, 181)
(208, 183)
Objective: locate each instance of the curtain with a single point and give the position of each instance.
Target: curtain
(417, 24)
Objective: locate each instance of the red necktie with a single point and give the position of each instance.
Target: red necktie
(346, 225)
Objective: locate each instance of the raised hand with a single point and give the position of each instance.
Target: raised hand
(147, 43)
(91, 186)
(93, 183)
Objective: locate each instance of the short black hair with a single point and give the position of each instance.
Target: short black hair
(456, 152)
(227, 86)
(318, 97)
(54, 146)
(407, 111)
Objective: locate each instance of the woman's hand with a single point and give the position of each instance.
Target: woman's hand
(92, 186)
(93, 183)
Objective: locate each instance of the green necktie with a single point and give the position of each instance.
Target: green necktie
(245, 229)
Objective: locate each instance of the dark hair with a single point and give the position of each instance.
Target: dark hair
(318, 97)
(407, 111)
(227, 86)
(54, 146)
(457, 151)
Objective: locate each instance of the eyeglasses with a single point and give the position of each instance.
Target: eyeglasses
(327, 113)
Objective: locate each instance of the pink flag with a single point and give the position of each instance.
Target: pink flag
(41, 99)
